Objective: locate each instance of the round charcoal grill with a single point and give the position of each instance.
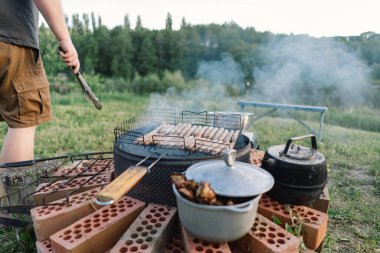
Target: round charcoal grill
(155, 187)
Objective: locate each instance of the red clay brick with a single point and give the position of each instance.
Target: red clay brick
(266, 236)
(48, 220)
(99, 231)
(65, 187)
(256, 157)
(314, 222)
(73, 171)
(175, 244)
(322, 204)
(44, 247)
(192, 245)
(87, 163)
(150, 232)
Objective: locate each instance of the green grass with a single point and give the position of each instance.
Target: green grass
(352, 151)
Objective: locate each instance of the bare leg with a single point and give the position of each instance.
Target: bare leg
(18, 145)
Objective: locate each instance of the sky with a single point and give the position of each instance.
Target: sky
(316, 18)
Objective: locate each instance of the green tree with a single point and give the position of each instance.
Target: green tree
(121, 52)
(169, 22)
(127, 23)
(138, 23)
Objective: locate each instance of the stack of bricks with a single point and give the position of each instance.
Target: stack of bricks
(99, 231)
(44, 247)
(99, 162)
(265, 236)
(150, 232)
(47, 192)
(49, 219)
(314, 222)
(196, 245)
(129, 226)
(73, 171)
(175, 244)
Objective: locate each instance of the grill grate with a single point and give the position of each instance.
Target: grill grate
(137, 128)
(21, 183)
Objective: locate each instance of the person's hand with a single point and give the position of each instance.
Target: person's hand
(69, 55)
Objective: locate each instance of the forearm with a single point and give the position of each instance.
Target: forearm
(53, 14)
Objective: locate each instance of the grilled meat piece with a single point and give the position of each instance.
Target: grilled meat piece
(187, 193)
(178, 179)
(205, 194)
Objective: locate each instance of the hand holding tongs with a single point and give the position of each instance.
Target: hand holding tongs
(87, 90)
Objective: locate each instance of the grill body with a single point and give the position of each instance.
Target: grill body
(155, 187)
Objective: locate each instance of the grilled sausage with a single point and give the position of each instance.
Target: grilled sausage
(207, 131)
(223, 135)
(211, 134)
(190, 131)
(228, 137)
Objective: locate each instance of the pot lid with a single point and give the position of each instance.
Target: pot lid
(230, 178)
(297, 154)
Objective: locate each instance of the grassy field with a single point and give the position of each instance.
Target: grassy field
(351, 146)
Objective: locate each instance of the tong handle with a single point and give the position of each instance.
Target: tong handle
(121, 185)
(91, 96)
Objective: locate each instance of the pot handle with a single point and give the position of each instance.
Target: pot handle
(289, 142)
(239, 209)
(229, 157)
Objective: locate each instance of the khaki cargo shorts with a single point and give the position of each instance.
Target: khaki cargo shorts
(24, 88)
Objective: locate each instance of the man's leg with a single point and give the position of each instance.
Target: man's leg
(18, 145)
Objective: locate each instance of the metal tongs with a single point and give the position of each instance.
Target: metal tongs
(87, 90)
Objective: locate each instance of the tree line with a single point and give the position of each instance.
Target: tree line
(133, 53)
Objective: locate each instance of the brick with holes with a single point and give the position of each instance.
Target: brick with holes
(99, 231)
(44, 247)
(192, 244)
(322, 204)
(314, 223)
(266, 236)
(46, 193)
(175, 244)
(256, 156)
(48, 220)
(73, 171)
(98, 162)
(150, 232)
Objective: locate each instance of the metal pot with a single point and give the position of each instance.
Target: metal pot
(217, 223)
(300, 173)
(231, 179)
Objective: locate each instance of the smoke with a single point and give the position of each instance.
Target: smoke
(215, 81)
(301, 69)
(293, 69)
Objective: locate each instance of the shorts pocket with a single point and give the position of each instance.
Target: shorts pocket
(33, 96)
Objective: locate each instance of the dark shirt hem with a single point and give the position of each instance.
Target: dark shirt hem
(18, 42)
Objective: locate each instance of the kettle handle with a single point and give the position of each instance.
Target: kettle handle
(289, 142)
